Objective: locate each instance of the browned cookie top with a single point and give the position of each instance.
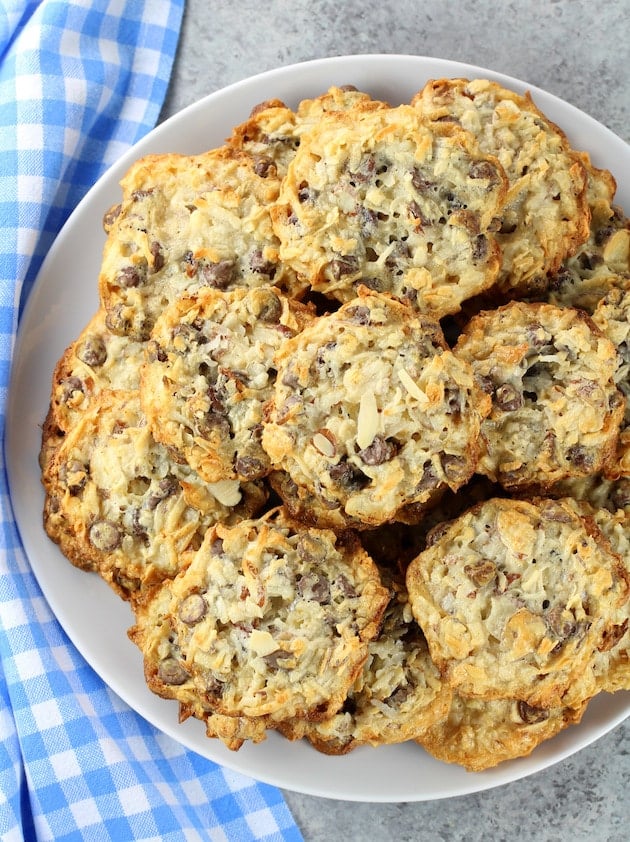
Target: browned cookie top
(380, 197)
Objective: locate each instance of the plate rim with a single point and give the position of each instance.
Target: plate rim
(185, 735)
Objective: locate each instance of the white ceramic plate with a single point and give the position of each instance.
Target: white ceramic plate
(62, 301)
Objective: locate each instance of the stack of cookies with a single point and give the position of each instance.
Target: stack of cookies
(349, 431)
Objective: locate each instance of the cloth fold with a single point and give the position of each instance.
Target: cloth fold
(79, 83)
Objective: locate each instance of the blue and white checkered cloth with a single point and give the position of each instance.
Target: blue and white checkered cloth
(80, 82)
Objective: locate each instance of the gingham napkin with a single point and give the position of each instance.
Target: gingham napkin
(79, 82)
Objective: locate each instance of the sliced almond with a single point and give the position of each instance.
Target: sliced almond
(367, 420)
(324, 442)
(617, 249)
(262, 643)
(412, 387)
(226, 491)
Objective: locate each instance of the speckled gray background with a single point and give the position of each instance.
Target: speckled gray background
(578, 50)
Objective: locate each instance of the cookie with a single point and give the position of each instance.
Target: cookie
(611, 661)
(372, 412)
(515, 597)
(556, 410)
(114, 502)
(232, 731)
(269, 620)
(272, 133)
(186, 222)
(210, 369)
(604, 259)
(377, 196)
(98, 359)
(599, 492)
(398, 695)
(480, 734)
(545, 217)
(310, 507)
(612, 316)
(608, 669)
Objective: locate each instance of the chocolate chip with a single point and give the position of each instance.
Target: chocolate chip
(278, 659)
(214, 422)
(171, 671)
(346, 587)
(158, 256)
(420, 182)
(371, 283)
(561, 622)
(248, 467)
(260, 265)
(550, 510)
(105, 536)
(483, 169)
(218, 275)
(620, 494)
(165, 488)
(480, 247)
(531, 715)
(603, 234)
(133, 524)
(304, 192)
(415, 211)
(155, 352)
(358, 314)
(368, 220)
(399, 696)
(117, 320)
(139, 195)
(322, 353)
(314, 587)
(378, 452)
(365, 171)
(481, 573)
(110, 216)
(264, 166)
(270, 309)
(453, 399)
(455, 467)
(192, 609)
(507, 227)
(588, 262)
(92, 351)
(344, 265)
(485, 383)
(70, 385)
(580, 457)
(508, 398)
(429, 479)
(348, 476)
(539, 338)
(131, 276)
(290, 379)
(74, 475)
(309, 548)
